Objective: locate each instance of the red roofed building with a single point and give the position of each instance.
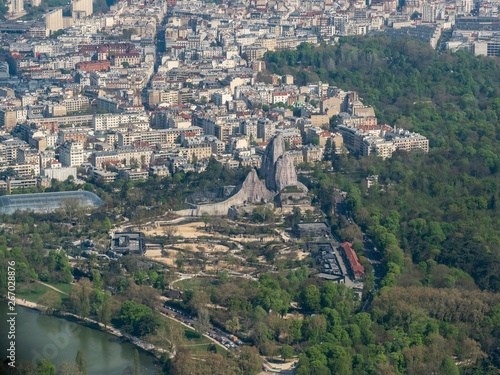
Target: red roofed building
(90, 66)
(353, 262)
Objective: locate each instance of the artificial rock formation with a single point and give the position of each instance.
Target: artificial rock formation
(254, 190)
(274, 150)
(278, 167)
(284, 174)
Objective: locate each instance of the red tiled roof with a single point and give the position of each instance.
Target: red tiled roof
(356, 267)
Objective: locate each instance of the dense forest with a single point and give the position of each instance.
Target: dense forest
(445, 202)
(439, 208)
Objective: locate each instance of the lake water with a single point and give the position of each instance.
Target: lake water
(44, 336)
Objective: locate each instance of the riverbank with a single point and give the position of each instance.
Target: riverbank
(90, 323)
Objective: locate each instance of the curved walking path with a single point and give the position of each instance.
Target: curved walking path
(51, 287)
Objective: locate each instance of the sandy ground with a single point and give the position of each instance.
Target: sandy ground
(197, 229)
(301, 254)
(172, 252)
(156, 255)
(201, 247)
(190, 230)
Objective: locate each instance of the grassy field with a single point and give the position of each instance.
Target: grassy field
(192, 284)
(66, 288)
(33, 291)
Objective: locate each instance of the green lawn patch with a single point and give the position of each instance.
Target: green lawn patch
(192, 284)
(66, 288)
(33, 291)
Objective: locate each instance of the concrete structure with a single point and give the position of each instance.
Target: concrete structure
(312, 230)
(126, 155)
(128, 243)
(331, 263)
(71, 154)
(54, 20)
(82, 7)
(58, 173)
(252, 191)
(8, 118)
(16, 6)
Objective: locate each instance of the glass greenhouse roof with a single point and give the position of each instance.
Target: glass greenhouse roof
(47, 202)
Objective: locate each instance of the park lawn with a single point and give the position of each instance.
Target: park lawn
(34, 291)
(66, 288)
(31, 292)
(192, 284)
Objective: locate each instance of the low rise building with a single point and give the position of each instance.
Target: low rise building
(352, 261)
(128, 243)
(136, 175)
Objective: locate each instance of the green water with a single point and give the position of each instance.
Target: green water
(42, 336)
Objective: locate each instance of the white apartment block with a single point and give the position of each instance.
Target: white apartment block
(71, 154)
(103, 122)
(221, 98)
(76, 104)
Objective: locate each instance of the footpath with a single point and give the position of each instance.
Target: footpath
(51, 287)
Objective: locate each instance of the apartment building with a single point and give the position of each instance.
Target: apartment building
(72, 135)
(153, 137)
(107, 121)
(125, 155)
(71, 154)
(28, 156)
(312, 153)
(132, 59)
(199, 151)
(382, 140)
(9, 150)
(8, 118)
(76, 104)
